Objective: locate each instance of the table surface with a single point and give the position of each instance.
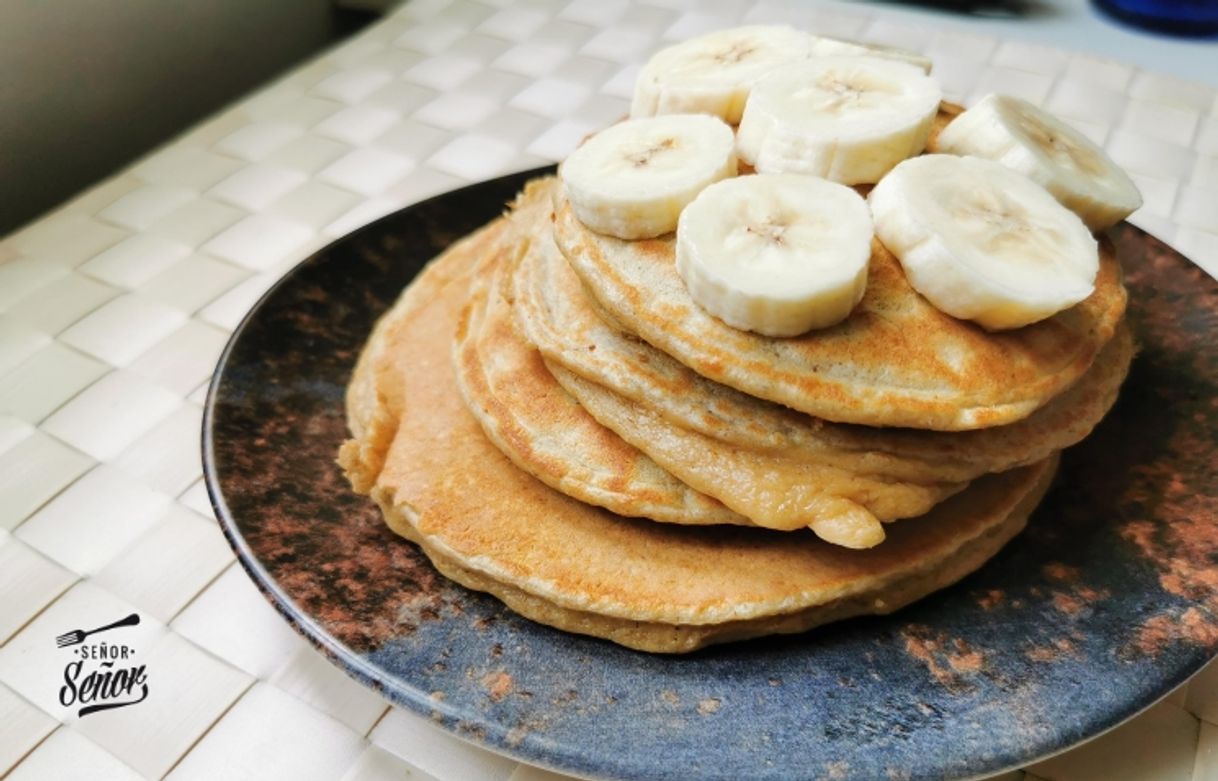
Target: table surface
(114, 308)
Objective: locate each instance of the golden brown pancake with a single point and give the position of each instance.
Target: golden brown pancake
(895, 361)
(554, 313)
(773, 491)
(373, 407)
(538, 425)
(544, 431)
(423, 457)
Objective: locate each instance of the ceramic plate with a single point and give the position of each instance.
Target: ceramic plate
(1107, 601)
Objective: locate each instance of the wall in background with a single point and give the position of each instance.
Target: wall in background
(87, 86)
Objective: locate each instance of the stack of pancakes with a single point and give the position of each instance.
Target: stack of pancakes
(553, 420)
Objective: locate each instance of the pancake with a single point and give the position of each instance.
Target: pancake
(373, 408)
(544, 431)
(775, 492)
(895, 361)
(554, 313)
(535, 423)
(657, 587)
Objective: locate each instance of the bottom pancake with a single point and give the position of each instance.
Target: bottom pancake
(657, 587)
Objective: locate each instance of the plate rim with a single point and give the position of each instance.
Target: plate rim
(409, 695)
(348, 661)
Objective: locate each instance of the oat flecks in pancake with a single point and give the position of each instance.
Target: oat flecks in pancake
(545, 432)
(896, 361)
(555, 313)
(653, 586)
(773, 491)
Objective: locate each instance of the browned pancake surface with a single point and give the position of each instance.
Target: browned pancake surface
(544, 431)
(555, 313)
(424, 458)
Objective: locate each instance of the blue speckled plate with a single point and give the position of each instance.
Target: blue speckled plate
(1102, 606)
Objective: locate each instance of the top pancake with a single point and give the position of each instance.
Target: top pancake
(440, 482)
(555, 313)
(895, 361)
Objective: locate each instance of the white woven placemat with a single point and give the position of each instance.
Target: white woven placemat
(114, 308)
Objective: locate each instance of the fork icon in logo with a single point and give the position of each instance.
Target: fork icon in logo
(79, 635)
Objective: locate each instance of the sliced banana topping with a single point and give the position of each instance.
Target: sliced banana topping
(824, 46)
(1042, 147)
(848, 119)
(777, 254)
(632, 179)
(712, 74)
(982, 242)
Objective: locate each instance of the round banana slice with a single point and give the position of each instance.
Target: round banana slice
(712, 74)
(777, 254)
(825, 46)
(1040, 146)
(632, 179)
(849, 119)
(982, 242)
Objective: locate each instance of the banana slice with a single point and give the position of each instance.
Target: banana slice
(824, 46)
(848, 119)
(777, 254)
(712, 74)
(1042, 147)
(982, 242)
(632, 179)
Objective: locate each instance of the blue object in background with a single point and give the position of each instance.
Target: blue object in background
(1194, 18)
